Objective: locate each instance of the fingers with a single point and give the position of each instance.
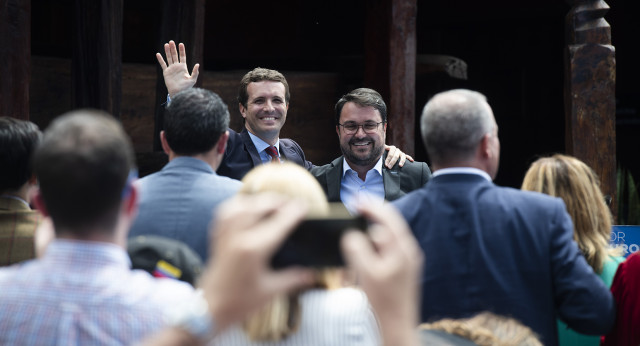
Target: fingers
(410, 158)
(358, 251)
(403, 158)
(174, 53)
(161, 61)
(167, 53)
(280, 225)
(392, 156)
(183, 53)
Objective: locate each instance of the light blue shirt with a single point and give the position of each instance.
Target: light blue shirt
(262, 145)
(353, 189)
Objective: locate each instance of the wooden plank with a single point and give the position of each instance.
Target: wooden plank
(590, 108)
(182, 21)
(96, 68)
(15, 54)
(390, 64)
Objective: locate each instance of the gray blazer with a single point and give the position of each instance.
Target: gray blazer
(178, 201)
(398, 181)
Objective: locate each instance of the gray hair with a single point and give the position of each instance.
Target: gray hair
(453, 124)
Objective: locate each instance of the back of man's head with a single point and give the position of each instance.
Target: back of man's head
(18, 141)
(363, 97)
(260, 74)
(453, 124)
(83, 165)
(194, 121)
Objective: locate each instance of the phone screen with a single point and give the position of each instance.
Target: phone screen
(316, 242)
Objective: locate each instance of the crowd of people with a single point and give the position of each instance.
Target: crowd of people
(448, 257)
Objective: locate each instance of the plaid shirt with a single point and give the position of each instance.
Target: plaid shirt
(83, 293)
(18, 223)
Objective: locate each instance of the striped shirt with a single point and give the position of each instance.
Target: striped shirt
(329, 317)
(83, 293)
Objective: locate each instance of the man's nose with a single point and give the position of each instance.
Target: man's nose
(268, 106)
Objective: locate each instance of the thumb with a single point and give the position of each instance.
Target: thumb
(196, 71)
(357, 250)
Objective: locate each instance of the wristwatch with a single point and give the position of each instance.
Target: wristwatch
(193, 316)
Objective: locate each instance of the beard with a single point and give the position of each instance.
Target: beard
(362, 159)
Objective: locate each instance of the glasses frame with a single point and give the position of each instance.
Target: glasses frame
(358, 126)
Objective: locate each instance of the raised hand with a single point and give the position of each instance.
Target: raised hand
(175, 71)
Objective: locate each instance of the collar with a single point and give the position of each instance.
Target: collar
(346, 167)
(86, 253)
(262, 145)
(461, 170)
(18, 199)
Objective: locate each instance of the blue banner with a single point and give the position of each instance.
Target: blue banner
(627, 237)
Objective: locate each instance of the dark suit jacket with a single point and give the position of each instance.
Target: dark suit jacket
(398, 181)
(504, 250)
(241, 155)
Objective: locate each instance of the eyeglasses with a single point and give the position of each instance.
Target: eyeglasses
(368, 127)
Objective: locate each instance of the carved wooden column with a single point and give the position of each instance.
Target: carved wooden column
(15, 54)
(590, 81)
(182, 21)
(96, 67)
(390, 65)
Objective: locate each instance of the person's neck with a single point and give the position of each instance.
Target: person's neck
(270, 138)
(211, 158)
(362, 170)
(22, 192)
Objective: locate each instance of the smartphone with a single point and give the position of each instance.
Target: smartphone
(316, 240)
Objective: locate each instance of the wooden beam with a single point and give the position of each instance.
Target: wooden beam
(15, 54)
(390, 65)
(96, 67)
(590, 108)
(182, 21)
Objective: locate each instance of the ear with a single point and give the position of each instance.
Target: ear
(485, 146)
(222, 142)
(243, 110)
(338, 130)
(33, 180)
(130, 203)
(165, 145)
(39, 203)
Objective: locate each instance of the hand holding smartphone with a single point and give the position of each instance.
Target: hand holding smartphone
(316, 240)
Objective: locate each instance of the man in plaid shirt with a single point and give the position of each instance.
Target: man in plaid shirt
(82, 291)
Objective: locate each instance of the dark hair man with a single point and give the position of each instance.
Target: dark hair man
(18, 222)
(495, 249)
(177, 201)
(263, 102)
(82, 291)
(361, 125)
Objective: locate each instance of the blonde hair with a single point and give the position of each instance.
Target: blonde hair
(487, 329)
(281, 316)
(577, 184)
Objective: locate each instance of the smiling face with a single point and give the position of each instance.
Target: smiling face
(266, 110)
(361, 149)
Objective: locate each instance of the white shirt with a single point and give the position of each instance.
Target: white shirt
(353, 189)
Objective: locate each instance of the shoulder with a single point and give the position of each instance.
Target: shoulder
(318, 171)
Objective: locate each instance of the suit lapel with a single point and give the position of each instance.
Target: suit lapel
(334, 179)
(391, 181)
(250, 148)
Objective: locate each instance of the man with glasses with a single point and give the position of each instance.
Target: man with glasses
(361, 125)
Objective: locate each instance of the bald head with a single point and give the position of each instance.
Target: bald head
(454, 124)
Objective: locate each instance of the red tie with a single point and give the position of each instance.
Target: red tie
(273, 152)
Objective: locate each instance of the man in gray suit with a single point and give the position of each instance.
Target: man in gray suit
(361, 125)
(493, 248)
(178, 201)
